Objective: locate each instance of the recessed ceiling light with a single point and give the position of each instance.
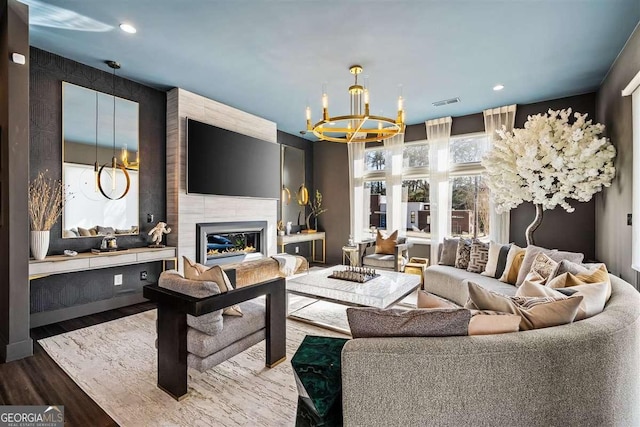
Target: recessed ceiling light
(128, 28)
(498, 87)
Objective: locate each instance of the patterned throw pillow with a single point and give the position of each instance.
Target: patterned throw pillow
(478, 257)
(543, 266)
(386, 246)
(555, 255)
(463, 254)
(579, 274)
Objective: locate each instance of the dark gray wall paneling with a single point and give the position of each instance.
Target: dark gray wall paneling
(613, 235)
(15, 342)
(48, 71)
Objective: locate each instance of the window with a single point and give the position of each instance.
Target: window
(418, 222)
(375, 203)
(469, 207)
(374, 159)
(468, 148)
(416, 156)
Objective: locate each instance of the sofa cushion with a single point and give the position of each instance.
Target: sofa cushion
(463, 254)
(449, 252)
(579, 274)
(515, 256)
(174, 281)
(383, 261)
(235, 329)
(497, 260)
(451, 283)
(195, 271)
(478, 257)
(488, 322)
(557, 256)
(594, 295)
(375, 322)
(535, 312)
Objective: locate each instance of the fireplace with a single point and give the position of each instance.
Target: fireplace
(226, 242)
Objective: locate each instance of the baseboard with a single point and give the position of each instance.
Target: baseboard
(17, 350)
(54, 316)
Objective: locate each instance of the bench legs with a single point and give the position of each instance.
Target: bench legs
(276, 321)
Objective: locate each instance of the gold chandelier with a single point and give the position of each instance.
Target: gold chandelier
(359, 126)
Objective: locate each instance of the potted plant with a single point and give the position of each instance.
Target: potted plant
(549, 162)
(46, 199)
(316, 209)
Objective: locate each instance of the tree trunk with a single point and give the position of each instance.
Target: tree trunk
(534, 225)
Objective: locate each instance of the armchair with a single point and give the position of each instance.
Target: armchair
(395, 262)
(185, 340)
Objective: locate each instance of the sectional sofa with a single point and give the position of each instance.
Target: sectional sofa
(582, 374)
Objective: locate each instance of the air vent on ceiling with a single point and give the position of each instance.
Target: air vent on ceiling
(446, 102)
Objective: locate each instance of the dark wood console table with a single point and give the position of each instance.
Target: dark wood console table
(173, 308)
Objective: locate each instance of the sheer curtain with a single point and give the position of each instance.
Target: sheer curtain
(494, 119)
(393, 171)
(438, 135)
(356, 185)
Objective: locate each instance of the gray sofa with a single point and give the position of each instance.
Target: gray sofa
(583, 374)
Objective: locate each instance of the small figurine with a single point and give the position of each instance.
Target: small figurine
(156, 234)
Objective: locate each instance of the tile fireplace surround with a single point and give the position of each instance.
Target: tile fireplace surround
(184, 210)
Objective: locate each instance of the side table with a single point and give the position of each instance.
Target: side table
(350, 253)
(317, 370)
(417, 266)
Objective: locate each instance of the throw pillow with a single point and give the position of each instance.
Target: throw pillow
(557, 256)
(535, 312)
(512, 267)
(374, 322)
(210, 323)
(428, 300)
(478, 257)
(463, 254)
(594, 296)
(449, 252)
(497, 260)
(487, 322)
(581, 274)
(84, 232)
(195, 271)
(105, 231)
(543, 266)
(386, 246)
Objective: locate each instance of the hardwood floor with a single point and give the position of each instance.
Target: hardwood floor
(38, 380)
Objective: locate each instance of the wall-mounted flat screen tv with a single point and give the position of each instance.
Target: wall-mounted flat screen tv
(227, 163)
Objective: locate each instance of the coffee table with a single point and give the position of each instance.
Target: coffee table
(382, 292)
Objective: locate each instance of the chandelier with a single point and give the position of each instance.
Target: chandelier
(360, 125)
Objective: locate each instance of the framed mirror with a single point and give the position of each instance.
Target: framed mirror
(105, 201)
(293, 177)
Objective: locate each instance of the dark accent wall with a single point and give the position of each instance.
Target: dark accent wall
(307, 146)
(56, 298)
(48, 71)
(15, 342)
(613, 235)
(331, 177)
(568, 231)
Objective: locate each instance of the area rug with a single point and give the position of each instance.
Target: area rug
(115, 364)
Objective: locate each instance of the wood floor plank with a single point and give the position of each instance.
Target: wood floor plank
(38, 380)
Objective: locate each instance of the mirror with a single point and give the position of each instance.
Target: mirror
(293, 177)
(88, 137)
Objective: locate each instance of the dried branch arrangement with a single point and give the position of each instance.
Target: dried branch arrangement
(46, 199)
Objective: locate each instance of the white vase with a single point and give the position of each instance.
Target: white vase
(39, 244)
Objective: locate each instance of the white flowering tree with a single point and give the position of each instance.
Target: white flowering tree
(548, 163)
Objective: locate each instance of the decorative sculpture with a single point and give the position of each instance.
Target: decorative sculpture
(156, 234)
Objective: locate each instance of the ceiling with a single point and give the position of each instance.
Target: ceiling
(271, 58)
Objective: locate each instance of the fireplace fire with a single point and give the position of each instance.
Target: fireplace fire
(224, 242)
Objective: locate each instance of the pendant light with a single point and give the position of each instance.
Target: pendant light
(114, 160)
